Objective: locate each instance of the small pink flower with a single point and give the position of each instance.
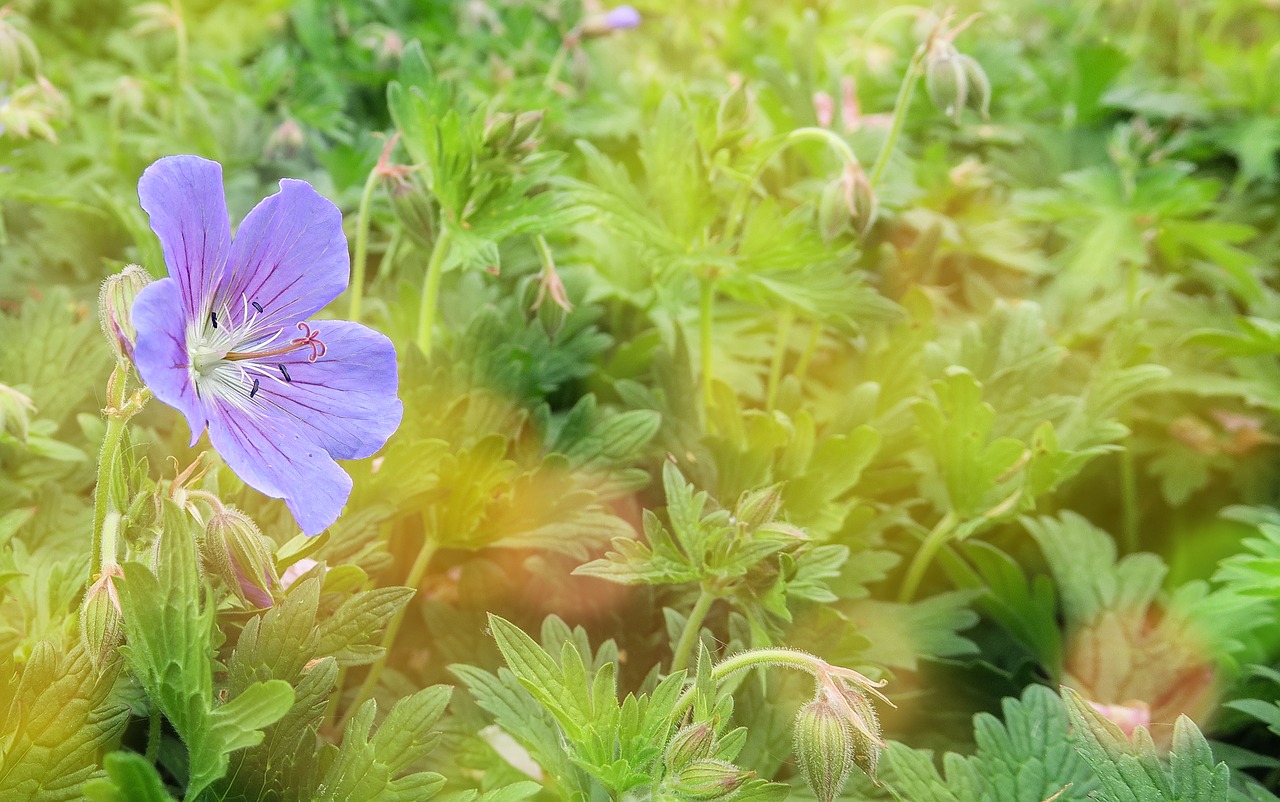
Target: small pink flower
(295, 571)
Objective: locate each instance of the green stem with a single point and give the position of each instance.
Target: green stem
(928, 550)
(745, 660)
(1142, 28)
(706, 301)
(393, 628)
(802, 367)
(557, 65)
(153, 734)
(362, 245)
(1129, 503)
(108, 459)
(779, 356)
(905, 92)
(431, 290)
(692, 628)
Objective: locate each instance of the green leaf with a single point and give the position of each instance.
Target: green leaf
(130, 778)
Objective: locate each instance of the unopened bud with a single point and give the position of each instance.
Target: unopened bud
(690, 744)
(101, 621)
(824, 748)
(16, 411)
(710, 779)
(16, 48)
(978, 95)
(734, 112)
(128, 98)
(498, 128)
(833, 210)
(616, 19)
(238, 553)
(525, 129)
(285, 141)
(115, 308)
(867, 742)
(946, 80)
(414, 207)
(759, 507)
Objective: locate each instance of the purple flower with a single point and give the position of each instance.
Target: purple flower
(622, 18)
(225, 339)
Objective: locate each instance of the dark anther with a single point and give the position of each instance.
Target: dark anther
(285, 371)
(214, 317)
(257, 306)
(254, 391)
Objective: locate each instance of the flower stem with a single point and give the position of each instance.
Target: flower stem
(108, 461)
(692, 628)
(431, 290)
(153, 733)
(802, 367)
(750, 659)
(557, 66)
(905, 92)
(393, 628)
(928, 549)
(706, 302)
(779, 356)
(1129, 493)
(362, 245)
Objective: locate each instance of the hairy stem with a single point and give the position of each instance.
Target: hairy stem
(934, 541)
(706, 301)
(905, 92)
(692, 628)
(362, 245)
(751, 659)
(431, 290)
(108, 461)
(416, 573)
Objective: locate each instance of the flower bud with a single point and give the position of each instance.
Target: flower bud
(833, 211)
(285, 141)
(498, 128)
(759, 507)
(128, 99)
(101, 621)
(866, 733)
(115, 308)
(237, 552)
(616, 19)
(16, 49)
(414, 207)
(978, 85)
(824, 747)
(946, 79)
(525, 129)
(15, 413)
(710, 779)
(695, 742)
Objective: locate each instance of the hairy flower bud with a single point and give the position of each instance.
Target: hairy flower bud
(978, 95)
(101, 621)
(15, 413)
(692, 743)
(866, 738)
(115, 308)
(710, 779)
(285, 141)
(16, 48)
(759, 507)
(415, 208)
(238, 553)
(825, 745)
(946, 80)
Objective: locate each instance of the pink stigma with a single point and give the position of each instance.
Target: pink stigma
(311, 339)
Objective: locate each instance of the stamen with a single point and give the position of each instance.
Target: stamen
(285, 371)
(213, 316)
(254, 391)
(310, 339)
(257, 306)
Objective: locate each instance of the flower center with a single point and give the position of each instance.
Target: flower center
(227, 356)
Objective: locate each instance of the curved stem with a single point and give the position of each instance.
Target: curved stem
(899, 113)
(830, 138)
(750, 659)
(431, 290)
(362, 245)
(393, 628)
(692, 628)
(928, 549)
(802, 367)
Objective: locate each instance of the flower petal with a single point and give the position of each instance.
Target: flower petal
(275, 456)
(346, 400)
(183, 197)
(160, 352)
(289, 256)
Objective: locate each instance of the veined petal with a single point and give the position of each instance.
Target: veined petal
(289, 257)
(275, 456)
(160, 352)
(184, 199)
(346, 400)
